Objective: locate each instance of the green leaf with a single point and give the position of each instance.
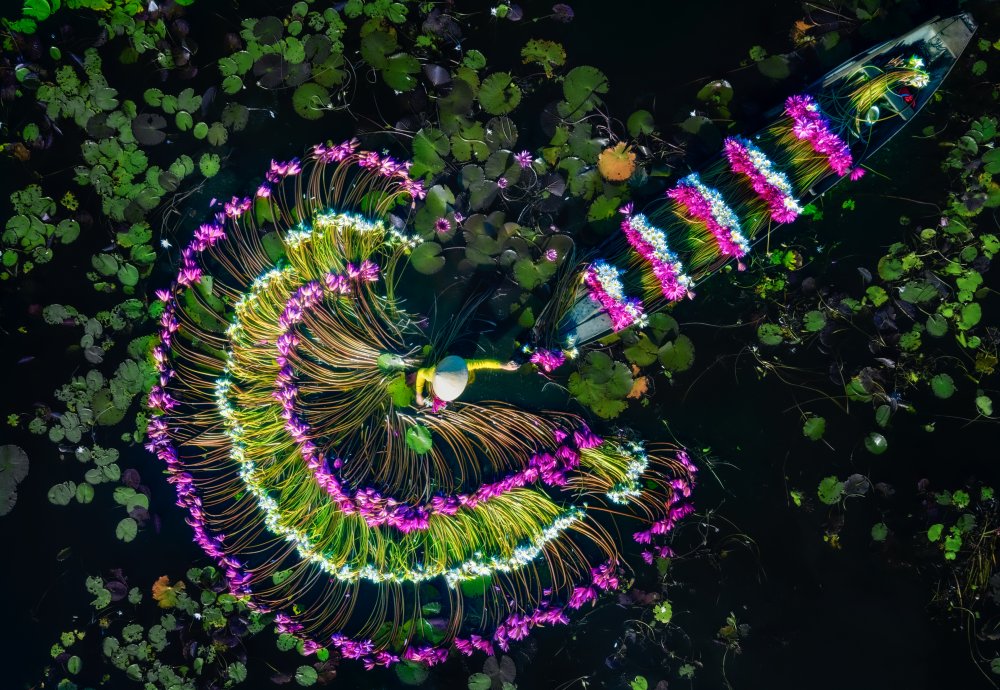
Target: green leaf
(917, 292)
(37, 9)
(84, 493)
(970, 316)
(480, 681)
(890, 268)
(127, 529)
(305, 676)
(770, 334)
(984, 405)
(209, 164)
(640, 122)
(399, 72)
(880, 531)
(418, 439)
(814, 321)
(943, 386)
(830, 490)
(643, 352)
(936, 325)
(237, 672)
(498, 94)
(184, 120)
(876, 443)
(814, 428)
(310, 100)
(775, 67)
(582, 89)
(474, 60)
(128, 275)
(678, 355)
(639, 683)
(934, 532)
(62, 494)
(412, 673)
(663, 612)
(882, 415)
(426, 258)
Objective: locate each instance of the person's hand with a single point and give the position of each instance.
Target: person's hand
(511, 366)
(420, 400)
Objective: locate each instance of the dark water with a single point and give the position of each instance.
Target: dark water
(819, 618)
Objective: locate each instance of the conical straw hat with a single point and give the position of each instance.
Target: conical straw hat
(451, 376)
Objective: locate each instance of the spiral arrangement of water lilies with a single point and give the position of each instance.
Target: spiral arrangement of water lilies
(283, 413)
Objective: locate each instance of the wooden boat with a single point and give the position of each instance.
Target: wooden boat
(855, 109)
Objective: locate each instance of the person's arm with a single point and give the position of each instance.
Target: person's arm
(423, 376)
(489, 364)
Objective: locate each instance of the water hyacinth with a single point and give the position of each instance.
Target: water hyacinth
(651, 244)
(605, 285)
(707, 206)
(772, 186)
(810, 125)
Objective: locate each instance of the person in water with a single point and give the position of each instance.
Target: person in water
(449, 378)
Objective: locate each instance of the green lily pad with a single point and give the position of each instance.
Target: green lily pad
(62, 494)
(426, 258)
(310, 100)
(814, 428)
(677, 355)
(480, 681)
(830, 490)
(305, 676)
(412, 673)
(127, 529)
(943, 386)
(498, 94)
(400, 70)
(640, 122)
(770, 334)
(876, 443)
(582, 89)
(418, 439)
(814, 321)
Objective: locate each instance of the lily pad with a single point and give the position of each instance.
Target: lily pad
(498, 94)
(400, 70)
(309, 100)
(426, 258)
(582, 89)
(147, 128)
(418, 439)
(814, 428)
(876, 443)
(640, 122)
(943, 386)
(830, 490)
(412, 673)
(127, 529)
(678, 355)
(305, 676)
